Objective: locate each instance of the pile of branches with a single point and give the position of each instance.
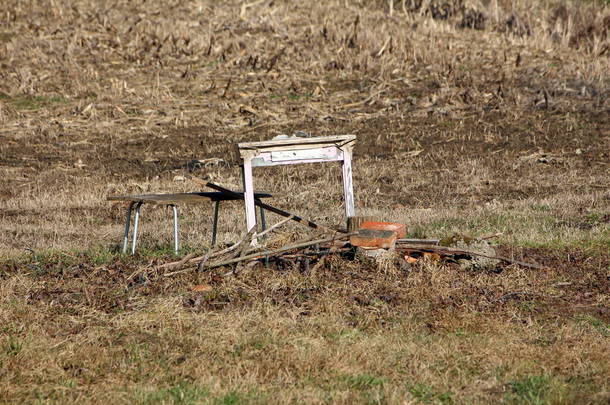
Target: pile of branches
(250, 253)
(335, 241)
(245, 254)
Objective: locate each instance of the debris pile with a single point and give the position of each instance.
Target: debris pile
(364, 237)
(378, 241)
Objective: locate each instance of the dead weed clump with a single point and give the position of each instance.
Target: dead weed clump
(583, 27)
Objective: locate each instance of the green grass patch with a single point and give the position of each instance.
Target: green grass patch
(531, 306)
(258, 344)
(187, 393)
(599, 325)
(598, 243)
(13, 347)
(26, 102)
(426, 394)
(417, 232)
(535, 227)
(6, 36)
(134, 112)
(541, 208)
(364, 382)
(532, 389)
(51, 260)
(237, 397)
(183, 393)
(347, 335)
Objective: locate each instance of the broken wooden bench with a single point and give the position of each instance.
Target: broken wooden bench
(173, 200)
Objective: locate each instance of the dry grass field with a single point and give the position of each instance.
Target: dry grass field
(472, 117)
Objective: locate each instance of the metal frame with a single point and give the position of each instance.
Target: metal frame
(136, 225)
(215, 223)
(176, 229)
(295, 151)
(127, 223)
(215, 220)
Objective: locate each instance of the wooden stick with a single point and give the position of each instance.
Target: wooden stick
(226, 88)
(278, 211)
(280, 250)
(245, 247)
(189, 259)
(452, 251)
(510, 295)
(266, 231)
(192, 258)
(418, 241)
(178, 264)
(495, 235)
(319, 264)
(267, 253)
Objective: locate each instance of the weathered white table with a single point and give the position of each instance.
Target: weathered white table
(293, 151)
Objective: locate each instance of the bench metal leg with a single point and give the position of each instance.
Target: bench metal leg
(263, 220)
(215, 223)
(136, 222)
(176, 236)
(127, 223)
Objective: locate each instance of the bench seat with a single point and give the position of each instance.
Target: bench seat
(173, 200)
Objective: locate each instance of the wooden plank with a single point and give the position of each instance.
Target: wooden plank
(300, 154)
(304, 154)
(297, 141)
(161, 198)
(245, 151)
(257, 162)
(182, 198)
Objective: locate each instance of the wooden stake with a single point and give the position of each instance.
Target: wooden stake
(353, 223)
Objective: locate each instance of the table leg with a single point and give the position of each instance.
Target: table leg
(215, 223)
(127, 223)
(176, 236)
(263, 220)
(249, 197)
(136, 222)
(348, 190)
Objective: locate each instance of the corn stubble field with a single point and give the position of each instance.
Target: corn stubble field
(472, 117)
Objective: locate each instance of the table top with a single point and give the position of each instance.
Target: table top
(182, 198)
(293, 141)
